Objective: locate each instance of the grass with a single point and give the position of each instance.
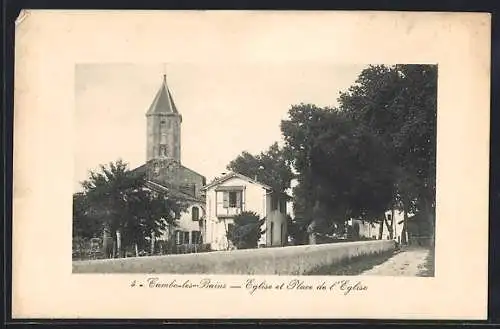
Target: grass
(355, 266)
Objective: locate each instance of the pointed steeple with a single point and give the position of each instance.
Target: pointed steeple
(163, 125)
(163, 103)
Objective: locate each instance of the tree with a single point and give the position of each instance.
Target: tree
(126, 210)
(247, 230)
(375, 152)
(269, 167)
(151, 214)
(342, 167)
(398, 105)
(84, 226)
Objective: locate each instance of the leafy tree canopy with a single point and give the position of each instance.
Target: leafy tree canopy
(375, 149)
(269, 167)
(117, 199)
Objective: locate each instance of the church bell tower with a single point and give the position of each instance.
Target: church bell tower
(163, 130)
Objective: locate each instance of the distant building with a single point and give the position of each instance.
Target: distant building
(417, 231)
(165, 172)
(371, 230)
(232, 194)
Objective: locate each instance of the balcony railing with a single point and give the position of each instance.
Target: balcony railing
(228, 212)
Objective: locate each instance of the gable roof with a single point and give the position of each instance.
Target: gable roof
(230, 175)
(163, 102)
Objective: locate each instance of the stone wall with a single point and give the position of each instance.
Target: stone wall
(294, 260)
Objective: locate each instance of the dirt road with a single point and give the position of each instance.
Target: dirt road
(411, 262)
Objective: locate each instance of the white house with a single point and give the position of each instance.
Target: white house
(234, 193)
(372, 230)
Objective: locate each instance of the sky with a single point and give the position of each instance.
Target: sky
(226, 108)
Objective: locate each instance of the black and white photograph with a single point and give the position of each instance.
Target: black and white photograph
(255, 169)
(250, 165)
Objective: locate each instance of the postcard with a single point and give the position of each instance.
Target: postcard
(251, 165)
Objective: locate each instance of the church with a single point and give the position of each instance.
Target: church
(164, 170)
(211, 208)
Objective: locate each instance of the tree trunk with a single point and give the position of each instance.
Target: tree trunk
(381, 229)
(312, 238)
(316, 221)
(152, 243)
(106, 245)
(114, 249)
(393, 221)
(119, 243)
(404, 233)
(311, 231)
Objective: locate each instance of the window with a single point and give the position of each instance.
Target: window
(195, 213)
(274, 202)
(181, 237)
(232, 199)
(196, 237)
(283, 206)
(178, 237)
(163, 150)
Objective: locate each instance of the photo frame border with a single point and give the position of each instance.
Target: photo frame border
(494, 295)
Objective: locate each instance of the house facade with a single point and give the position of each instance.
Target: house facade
(372, 230)
(233, 194)
(189, 223)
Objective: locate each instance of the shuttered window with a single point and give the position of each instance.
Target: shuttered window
(178, 237)
(237, 199)
(232, 199)
(195, 213)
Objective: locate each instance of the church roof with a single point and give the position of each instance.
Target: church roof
(161, 188)
(163, 101)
